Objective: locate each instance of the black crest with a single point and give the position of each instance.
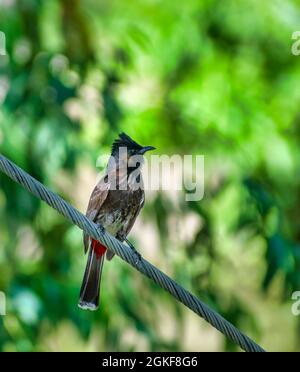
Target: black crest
(125, 141)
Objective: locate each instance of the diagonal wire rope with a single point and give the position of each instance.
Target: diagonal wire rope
(128, 255)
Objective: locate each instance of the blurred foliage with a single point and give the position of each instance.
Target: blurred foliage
(202, 77)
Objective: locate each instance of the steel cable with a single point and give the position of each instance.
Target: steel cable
(128, 255)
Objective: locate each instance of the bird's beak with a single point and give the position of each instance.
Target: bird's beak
(145, 149)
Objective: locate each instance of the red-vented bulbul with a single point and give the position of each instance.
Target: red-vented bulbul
(115, 204)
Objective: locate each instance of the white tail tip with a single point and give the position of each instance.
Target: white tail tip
(87, 306)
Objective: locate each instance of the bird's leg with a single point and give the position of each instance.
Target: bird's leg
(100, 228)
(137, 254)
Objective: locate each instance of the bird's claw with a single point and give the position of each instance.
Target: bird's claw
(101, 229)
(138, 257)
(135, 252)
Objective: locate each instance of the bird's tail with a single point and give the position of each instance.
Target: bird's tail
(90, 288)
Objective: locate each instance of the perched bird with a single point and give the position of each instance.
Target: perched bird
(114, 204)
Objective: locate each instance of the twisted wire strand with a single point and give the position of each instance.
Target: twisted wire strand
(128, 255)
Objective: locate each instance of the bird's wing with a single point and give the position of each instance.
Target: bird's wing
(97, 199)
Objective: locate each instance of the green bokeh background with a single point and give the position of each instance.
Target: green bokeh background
(199, 77)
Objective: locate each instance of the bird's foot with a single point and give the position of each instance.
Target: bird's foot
(101, 229)
(136, 253)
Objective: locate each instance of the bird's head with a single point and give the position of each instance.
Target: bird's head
(127, 155)
(129, 145)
